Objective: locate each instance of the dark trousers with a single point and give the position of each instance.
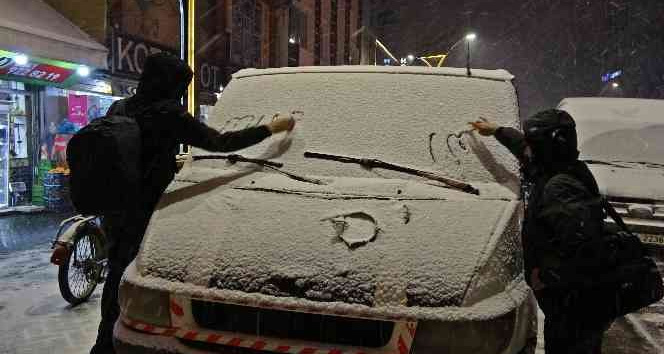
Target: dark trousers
(124, 233)
(567, 330)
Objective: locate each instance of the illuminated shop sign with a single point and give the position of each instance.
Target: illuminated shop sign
(611, 76)
(37, 70)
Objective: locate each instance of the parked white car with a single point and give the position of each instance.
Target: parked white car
(621, 139)
(324, 256)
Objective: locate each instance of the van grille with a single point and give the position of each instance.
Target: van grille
(292, 325)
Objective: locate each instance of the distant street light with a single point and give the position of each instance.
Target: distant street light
(469, 38)
(615, 85)
(83, 71)
(21, 59)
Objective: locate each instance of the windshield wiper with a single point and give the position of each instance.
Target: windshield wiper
(265, 163)
(238, 158)
(375, 163)
(646, 163)
(608, 163)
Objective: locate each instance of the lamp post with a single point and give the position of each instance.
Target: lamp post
(469, 38)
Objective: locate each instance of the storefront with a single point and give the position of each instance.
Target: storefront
(49, 89)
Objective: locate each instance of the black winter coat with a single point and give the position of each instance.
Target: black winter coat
(558, 214)
(164, 126)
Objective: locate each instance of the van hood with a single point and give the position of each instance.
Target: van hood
(359, 241)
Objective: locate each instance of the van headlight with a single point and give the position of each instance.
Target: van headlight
(145, 305)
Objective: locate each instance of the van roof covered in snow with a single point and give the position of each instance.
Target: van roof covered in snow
(595, 116)
(501, 75)
(613, 109)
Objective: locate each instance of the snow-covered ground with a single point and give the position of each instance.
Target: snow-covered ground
(34, 319)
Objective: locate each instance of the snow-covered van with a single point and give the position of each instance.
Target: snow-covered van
(324, 255)
(621, 140)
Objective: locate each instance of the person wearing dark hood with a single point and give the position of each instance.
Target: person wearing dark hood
(559, 190)
(164, 124)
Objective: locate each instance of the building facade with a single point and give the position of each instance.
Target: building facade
(45, 100)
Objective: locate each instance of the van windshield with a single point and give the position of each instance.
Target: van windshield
(641, 146)
(380, 112)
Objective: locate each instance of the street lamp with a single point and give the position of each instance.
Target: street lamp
(469, 37)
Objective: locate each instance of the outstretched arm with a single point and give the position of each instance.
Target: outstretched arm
(192, 132)
(511, 138)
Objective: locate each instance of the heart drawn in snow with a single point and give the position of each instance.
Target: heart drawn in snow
(354, 228)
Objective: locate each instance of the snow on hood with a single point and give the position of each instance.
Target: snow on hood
(634, 182)
(269, 236)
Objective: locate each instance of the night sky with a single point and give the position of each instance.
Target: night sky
(555, 48)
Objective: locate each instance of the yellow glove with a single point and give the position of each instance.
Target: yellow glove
(279, 125)
(484, 127)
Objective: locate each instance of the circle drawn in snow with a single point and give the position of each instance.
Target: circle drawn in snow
(355, 228)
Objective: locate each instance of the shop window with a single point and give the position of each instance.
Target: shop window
(333, 32)
(244, 37)
(65, 113)
(347, 32)
(16, 126)
(297, 27)
(317, 32)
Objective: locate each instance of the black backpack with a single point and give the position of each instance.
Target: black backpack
(104, 160)
(612, 273)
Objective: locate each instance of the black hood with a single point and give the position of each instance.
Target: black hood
(551, 135)
(164, 77)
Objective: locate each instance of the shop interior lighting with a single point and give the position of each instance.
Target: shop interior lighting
(21, 59)
(291, 40)
(83, 71)
(615, 85)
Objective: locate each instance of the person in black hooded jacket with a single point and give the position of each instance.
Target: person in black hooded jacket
(164, 124)
(560, 215)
